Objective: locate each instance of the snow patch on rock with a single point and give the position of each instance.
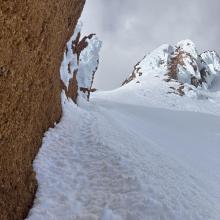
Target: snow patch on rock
(88, 64)
(189, 47)
(211, 63)
(81, 58)
(159, 58)
(154, 61)
(188, 65)
(69, 64)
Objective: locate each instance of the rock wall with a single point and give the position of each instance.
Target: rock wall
(32, 41)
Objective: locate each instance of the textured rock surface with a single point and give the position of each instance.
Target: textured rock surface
(32, 40)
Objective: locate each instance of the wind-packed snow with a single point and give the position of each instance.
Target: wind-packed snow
(157, 59)
(189, 47)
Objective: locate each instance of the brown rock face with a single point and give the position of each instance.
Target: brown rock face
(32, 41)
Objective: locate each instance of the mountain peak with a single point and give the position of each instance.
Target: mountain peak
(181, 63)
(187, 46)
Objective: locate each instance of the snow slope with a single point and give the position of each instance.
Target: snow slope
(140, 152)
(127, 156)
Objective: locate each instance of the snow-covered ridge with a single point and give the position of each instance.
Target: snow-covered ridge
(81, 60)
(182, 63)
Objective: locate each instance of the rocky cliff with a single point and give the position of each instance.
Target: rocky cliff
(32, 41)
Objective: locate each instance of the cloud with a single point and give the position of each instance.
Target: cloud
(129, 29)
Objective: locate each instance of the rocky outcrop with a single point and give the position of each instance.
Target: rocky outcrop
(182, 63)
(80, 63)
(32, 40)
(188, 66)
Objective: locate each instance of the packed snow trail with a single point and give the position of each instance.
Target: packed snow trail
(139, 152)
(111, 161)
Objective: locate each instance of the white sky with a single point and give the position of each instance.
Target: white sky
(131, 28)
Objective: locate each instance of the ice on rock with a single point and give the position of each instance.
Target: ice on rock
(204, 68)
(88, 63)
(81, 58)
(188, 64)
(189, 47)
(66, 70)
(212, 59)
(211, 63)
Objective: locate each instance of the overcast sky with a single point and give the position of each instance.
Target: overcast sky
(131, 28)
